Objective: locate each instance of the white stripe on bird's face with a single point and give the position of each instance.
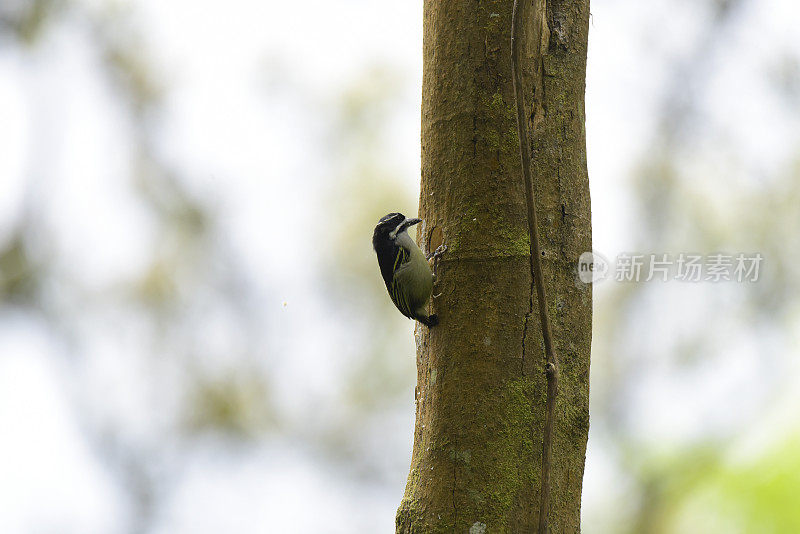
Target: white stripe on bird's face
(399, 228)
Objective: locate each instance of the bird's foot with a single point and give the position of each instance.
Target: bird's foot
(438, 252)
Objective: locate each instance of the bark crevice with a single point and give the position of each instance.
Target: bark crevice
(525, 324)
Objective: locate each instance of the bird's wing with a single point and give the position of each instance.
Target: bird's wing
(399, 296)
(387, 252)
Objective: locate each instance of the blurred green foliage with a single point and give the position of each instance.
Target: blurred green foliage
(692, 191)
(233, 404)
(27, 20)
(757, 495)
(697, 191)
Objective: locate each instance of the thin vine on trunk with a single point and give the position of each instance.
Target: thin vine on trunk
(551, 363)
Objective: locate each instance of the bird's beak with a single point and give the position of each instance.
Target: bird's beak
(411, 221)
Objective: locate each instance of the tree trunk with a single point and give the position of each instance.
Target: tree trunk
(481, 394)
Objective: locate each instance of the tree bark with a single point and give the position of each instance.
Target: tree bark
(481, 384)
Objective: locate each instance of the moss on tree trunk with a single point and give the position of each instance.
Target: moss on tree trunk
(481, 391)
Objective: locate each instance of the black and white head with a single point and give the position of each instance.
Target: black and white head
(390, 227)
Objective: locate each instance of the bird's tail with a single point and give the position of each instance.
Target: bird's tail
(428, 320)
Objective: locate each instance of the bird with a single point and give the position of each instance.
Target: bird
(404, 267)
